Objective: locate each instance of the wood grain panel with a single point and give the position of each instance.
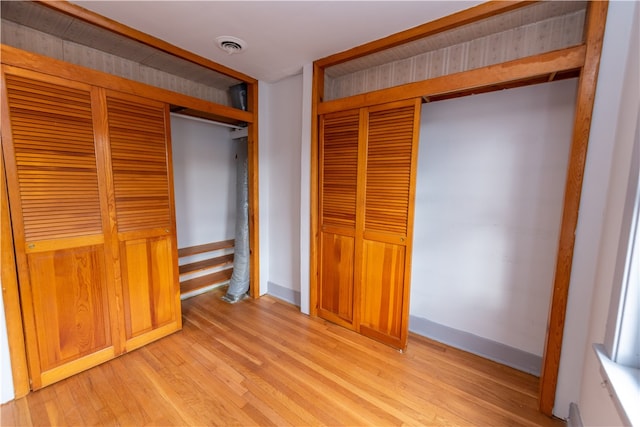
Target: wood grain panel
(53, 144)
(207, 247)
(382, 291)
(339, 166)
(149, 289)
(136, 287)
(70, 304)
(205, 280)
(388, 170)
(139, 163)
(336, 297)
(163, 273)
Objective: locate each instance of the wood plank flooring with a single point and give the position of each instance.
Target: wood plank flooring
(261, 362)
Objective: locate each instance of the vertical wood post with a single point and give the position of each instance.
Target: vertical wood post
(594, 34)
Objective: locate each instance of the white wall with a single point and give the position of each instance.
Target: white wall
(305, 186)
(204, 173)
(280, 151)
(264, 191)
(616, 112)
(489, 199)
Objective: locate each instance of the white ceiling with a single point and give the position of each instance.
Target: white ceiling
(281, 36)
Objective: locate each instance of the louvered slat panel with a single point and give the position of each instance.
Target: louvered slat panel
(339, 170)
(388, 175)
(53, 140)
(139, 164)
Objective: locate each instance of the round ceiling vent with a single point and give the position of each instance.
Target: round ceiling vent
(231, 44)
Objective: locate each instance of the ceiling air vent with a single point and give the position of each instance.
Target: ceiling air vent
(231, 44)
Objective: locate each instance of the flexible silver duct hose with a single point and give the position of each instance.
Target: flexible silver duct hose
(239, 284)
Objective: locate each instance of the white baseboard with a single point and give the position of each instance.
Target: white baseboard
(484, 347)
(574, 419)
(286, 294)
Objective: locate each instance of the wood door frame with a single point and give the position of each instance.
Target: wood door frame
(10, 293)
(583, 60)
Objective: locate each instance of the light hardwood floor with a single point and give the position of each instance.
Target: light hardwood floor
(261, 362)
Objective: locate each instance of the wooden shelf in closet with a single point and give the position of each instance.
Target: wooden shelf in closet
(214, 262)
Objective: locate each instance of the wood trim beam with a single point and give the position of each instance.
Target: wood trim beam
(531, 67)
(594, 35)
(31, 61)
(467, 16)
(11, 295)
(254, 200)
(316, 91)
(123, 30)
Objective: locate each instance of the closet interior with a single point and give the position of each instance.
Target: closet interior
(205, 160)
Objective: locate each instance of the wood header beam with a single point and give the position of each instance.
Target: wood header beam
(531, 67)
(31, 61)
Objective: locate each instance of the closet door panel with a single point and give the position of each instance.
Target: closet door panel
(340, 135)
(54, 154)
(389, 170)
(339, 169)
(389, 189)
(336, 296)
(70, 310)
(56, 201)
(142, 183)
(368, 160)
(148, 282)
(383, 291)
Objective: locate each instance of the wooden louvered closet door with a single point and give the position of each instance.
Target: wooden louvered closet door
(368, 161)
(58, 209)
(142, 184)
(92, 209)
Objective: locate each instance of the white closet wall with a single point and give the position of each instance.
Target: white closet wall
(491, 175)
(204, 168)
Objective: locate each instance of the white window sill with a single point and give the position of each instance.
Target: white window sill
(623, 384)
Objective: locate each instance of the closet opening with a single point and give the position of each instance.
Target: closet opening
(488, 212)
(209, 158)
